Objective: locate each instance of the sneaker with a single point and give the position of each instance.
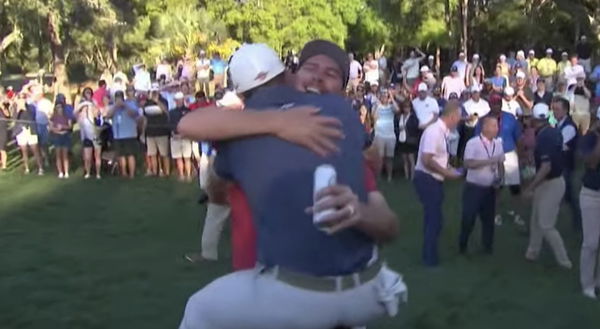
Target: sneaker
(498, 220)
(26, 171)
(518, 220)
(87, 176)
(98, 177)
(40, 172)
(61, 176)
(568, 265)
(66, 176)
(589, 293)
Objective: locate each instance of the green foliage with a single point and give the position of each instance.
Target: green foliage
(99, 34)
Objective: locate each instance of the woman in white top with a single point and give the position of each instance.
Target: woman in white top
(385, 137)
(89, 120)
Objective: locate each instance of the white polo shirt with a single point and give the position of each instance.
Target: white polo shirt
(481, 148)
(425, 109)
(433, 141)
(511, 107)
(355, 69)
(481, 108)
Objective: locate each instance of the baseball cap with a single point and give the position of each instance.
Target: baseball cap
(454, 68)
(564, 54)
(509, 91)
(424, 68)
(430, 57)
(329, 49)
(461, 54)
(541, 111)
(202, 52)
(178, 95)
(253, 65)
(155, 86)
(475, 56)
(475, 89)
(521, 53)
(422, 87)
(549, 51)
(502, 57)
(531, 52)
(495, 99)
(520, 75)
(453, 96)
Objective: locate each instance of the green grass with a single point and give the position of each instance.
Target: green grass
(108, 254)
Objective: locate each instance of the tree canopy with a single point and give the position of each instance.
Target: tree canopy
(94, 35)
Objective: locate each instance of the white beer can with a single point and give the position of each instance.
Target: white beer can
(325, 176)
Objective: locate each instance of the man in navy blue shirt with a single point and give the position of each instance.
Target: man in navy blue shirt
(590, 208)
(303, 269)
(568, 130)
(547, 189)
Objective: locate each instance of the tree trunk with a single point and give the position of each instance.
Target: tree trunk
(58, 53)
(13, 36)
(464, 25)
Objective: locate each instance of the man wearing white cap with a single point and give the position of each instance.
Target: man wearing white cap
(547, 69)
(426, 77)
(432, 66)
(521, 62)
(203, 71)
(562, 65)
(426, 107)
(509, 104)
(547, 189)
(410, 67)
(453, 83)
(532, 61)
(461, 65)
(475, 108)
(523, 93)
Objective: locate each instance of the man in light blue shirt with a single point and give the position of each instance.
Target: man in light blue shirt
(218, 67)
(125, 117)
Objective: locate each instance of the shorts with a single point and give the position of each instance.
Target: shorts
(126, 146)
(25, 137)
(385, 146)
(196, 150)
(89, 143)
(43, 135)
(512, 173)
(61, 140)
(157, 145)
(181, 148)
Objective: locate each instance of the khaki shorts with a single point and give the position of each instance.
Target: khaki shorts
(25, 138)
(157, 145)
(181, 148)
(385, 146)
(512, 174)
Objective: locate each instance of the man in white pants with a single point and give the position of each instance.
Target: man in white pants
(334, 276)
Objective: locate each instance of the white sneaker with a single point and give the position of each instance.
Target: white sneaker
(40, 172)
(498, 220)
(27, 171)
(87, 176)
(589, 293)
(61, 176)
(98, 177)
(66, 175)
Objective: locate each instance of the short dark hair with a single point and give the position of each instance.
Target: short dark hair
(450, 108)
(120, 94)
(200, 94)
(101, 83)
(564, 103)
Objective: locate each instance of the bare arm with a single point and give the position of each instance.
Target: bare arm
(474, 164)
(433, 166)
(381, 223)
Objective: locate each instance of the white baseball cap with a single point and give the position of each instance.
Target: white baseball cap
(424, 68)
(531, 52)
(475, 56)
(422, 87)
(541, 111)
(502, 57)
(564, 53)
(509, 91)
(252, 65)
(431, 57)
(178, 95)
(520, 75)
(475, 89)
(549, 51)
(521, 53)
(155, 86)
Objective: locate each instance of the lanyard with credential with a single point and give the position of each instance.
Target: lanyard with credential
(486, 149)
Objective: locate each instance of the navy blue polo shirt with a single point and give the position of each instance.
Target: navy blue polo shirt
(277, 178)
(548, 148)
(591, 176)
